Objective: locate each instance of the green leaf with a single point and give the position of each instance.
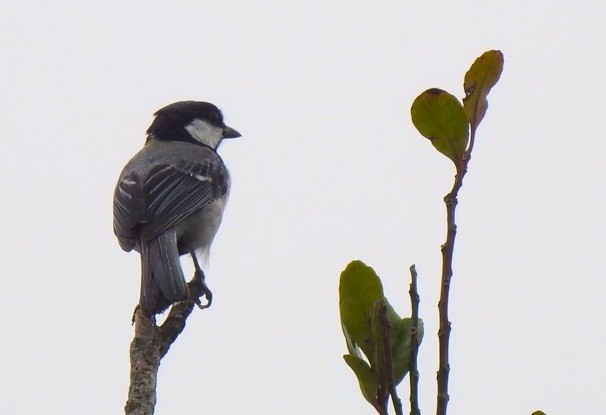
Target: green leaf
(400, 349)
(440, 117)
(366, 377)
(481, 77)
(400, 339)
(352, 347)
(538, 413)
(359, 289)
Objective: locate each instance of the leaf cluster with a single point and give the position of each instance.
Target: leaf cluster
(445, 121)
(378, 339)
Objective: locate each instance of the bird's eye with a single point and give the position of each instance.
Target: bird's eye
(214, 118)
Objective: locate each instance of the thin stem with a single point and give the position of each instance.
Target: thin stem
(414, 344)
(447, 255)
(397, 403)
(379, 327)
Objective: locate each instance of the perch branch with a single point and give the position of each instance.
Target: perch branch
(149, 345)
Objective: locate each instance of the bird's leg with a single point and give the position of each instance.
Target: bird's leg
(199, 281)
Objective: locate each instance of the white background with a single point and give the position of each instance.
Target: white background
(329, 169)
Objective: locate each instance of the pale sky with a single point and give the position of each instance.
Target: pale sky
(329, 169)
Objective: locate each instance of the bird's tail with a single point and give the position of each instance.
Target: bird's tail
(162, 280)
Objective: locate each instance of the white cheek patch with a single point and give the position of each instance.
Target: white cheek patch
(205, 132)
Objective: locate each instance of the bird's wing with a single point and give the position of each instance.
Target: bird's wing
(129, 209)
(143, 209)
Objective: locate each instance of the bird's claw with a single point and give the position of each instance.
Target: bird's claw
(209, 301)
(204, 291)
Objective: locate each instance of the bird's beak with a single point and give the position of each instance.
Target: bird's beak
(229, 132)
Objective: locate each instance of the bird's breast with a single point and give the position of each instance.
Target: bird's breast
(197, 232)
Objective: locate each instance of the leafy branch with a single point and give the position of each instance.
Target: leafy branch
(382, 346)
(378, 340)
(440, 117)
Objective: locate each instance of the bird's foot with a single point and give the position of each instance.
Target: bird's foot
(201, 290)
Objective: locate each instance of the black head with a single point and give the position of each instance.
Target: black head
(190, 121)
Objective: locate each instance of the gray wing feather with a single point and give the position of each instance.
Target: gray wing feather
(129, 210)
(143, 209)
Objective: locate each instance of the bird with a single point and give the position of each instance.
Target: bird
(170, 198)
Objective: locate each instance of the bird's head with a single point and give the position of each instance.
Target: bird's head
(190, 121)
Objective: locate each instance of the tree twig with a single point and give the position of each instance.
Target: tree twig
(149, 345)
(447, 255)
(414, 344)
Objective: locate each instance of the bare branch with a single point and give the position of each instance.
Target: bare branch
(150, 344)
(414, 344)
